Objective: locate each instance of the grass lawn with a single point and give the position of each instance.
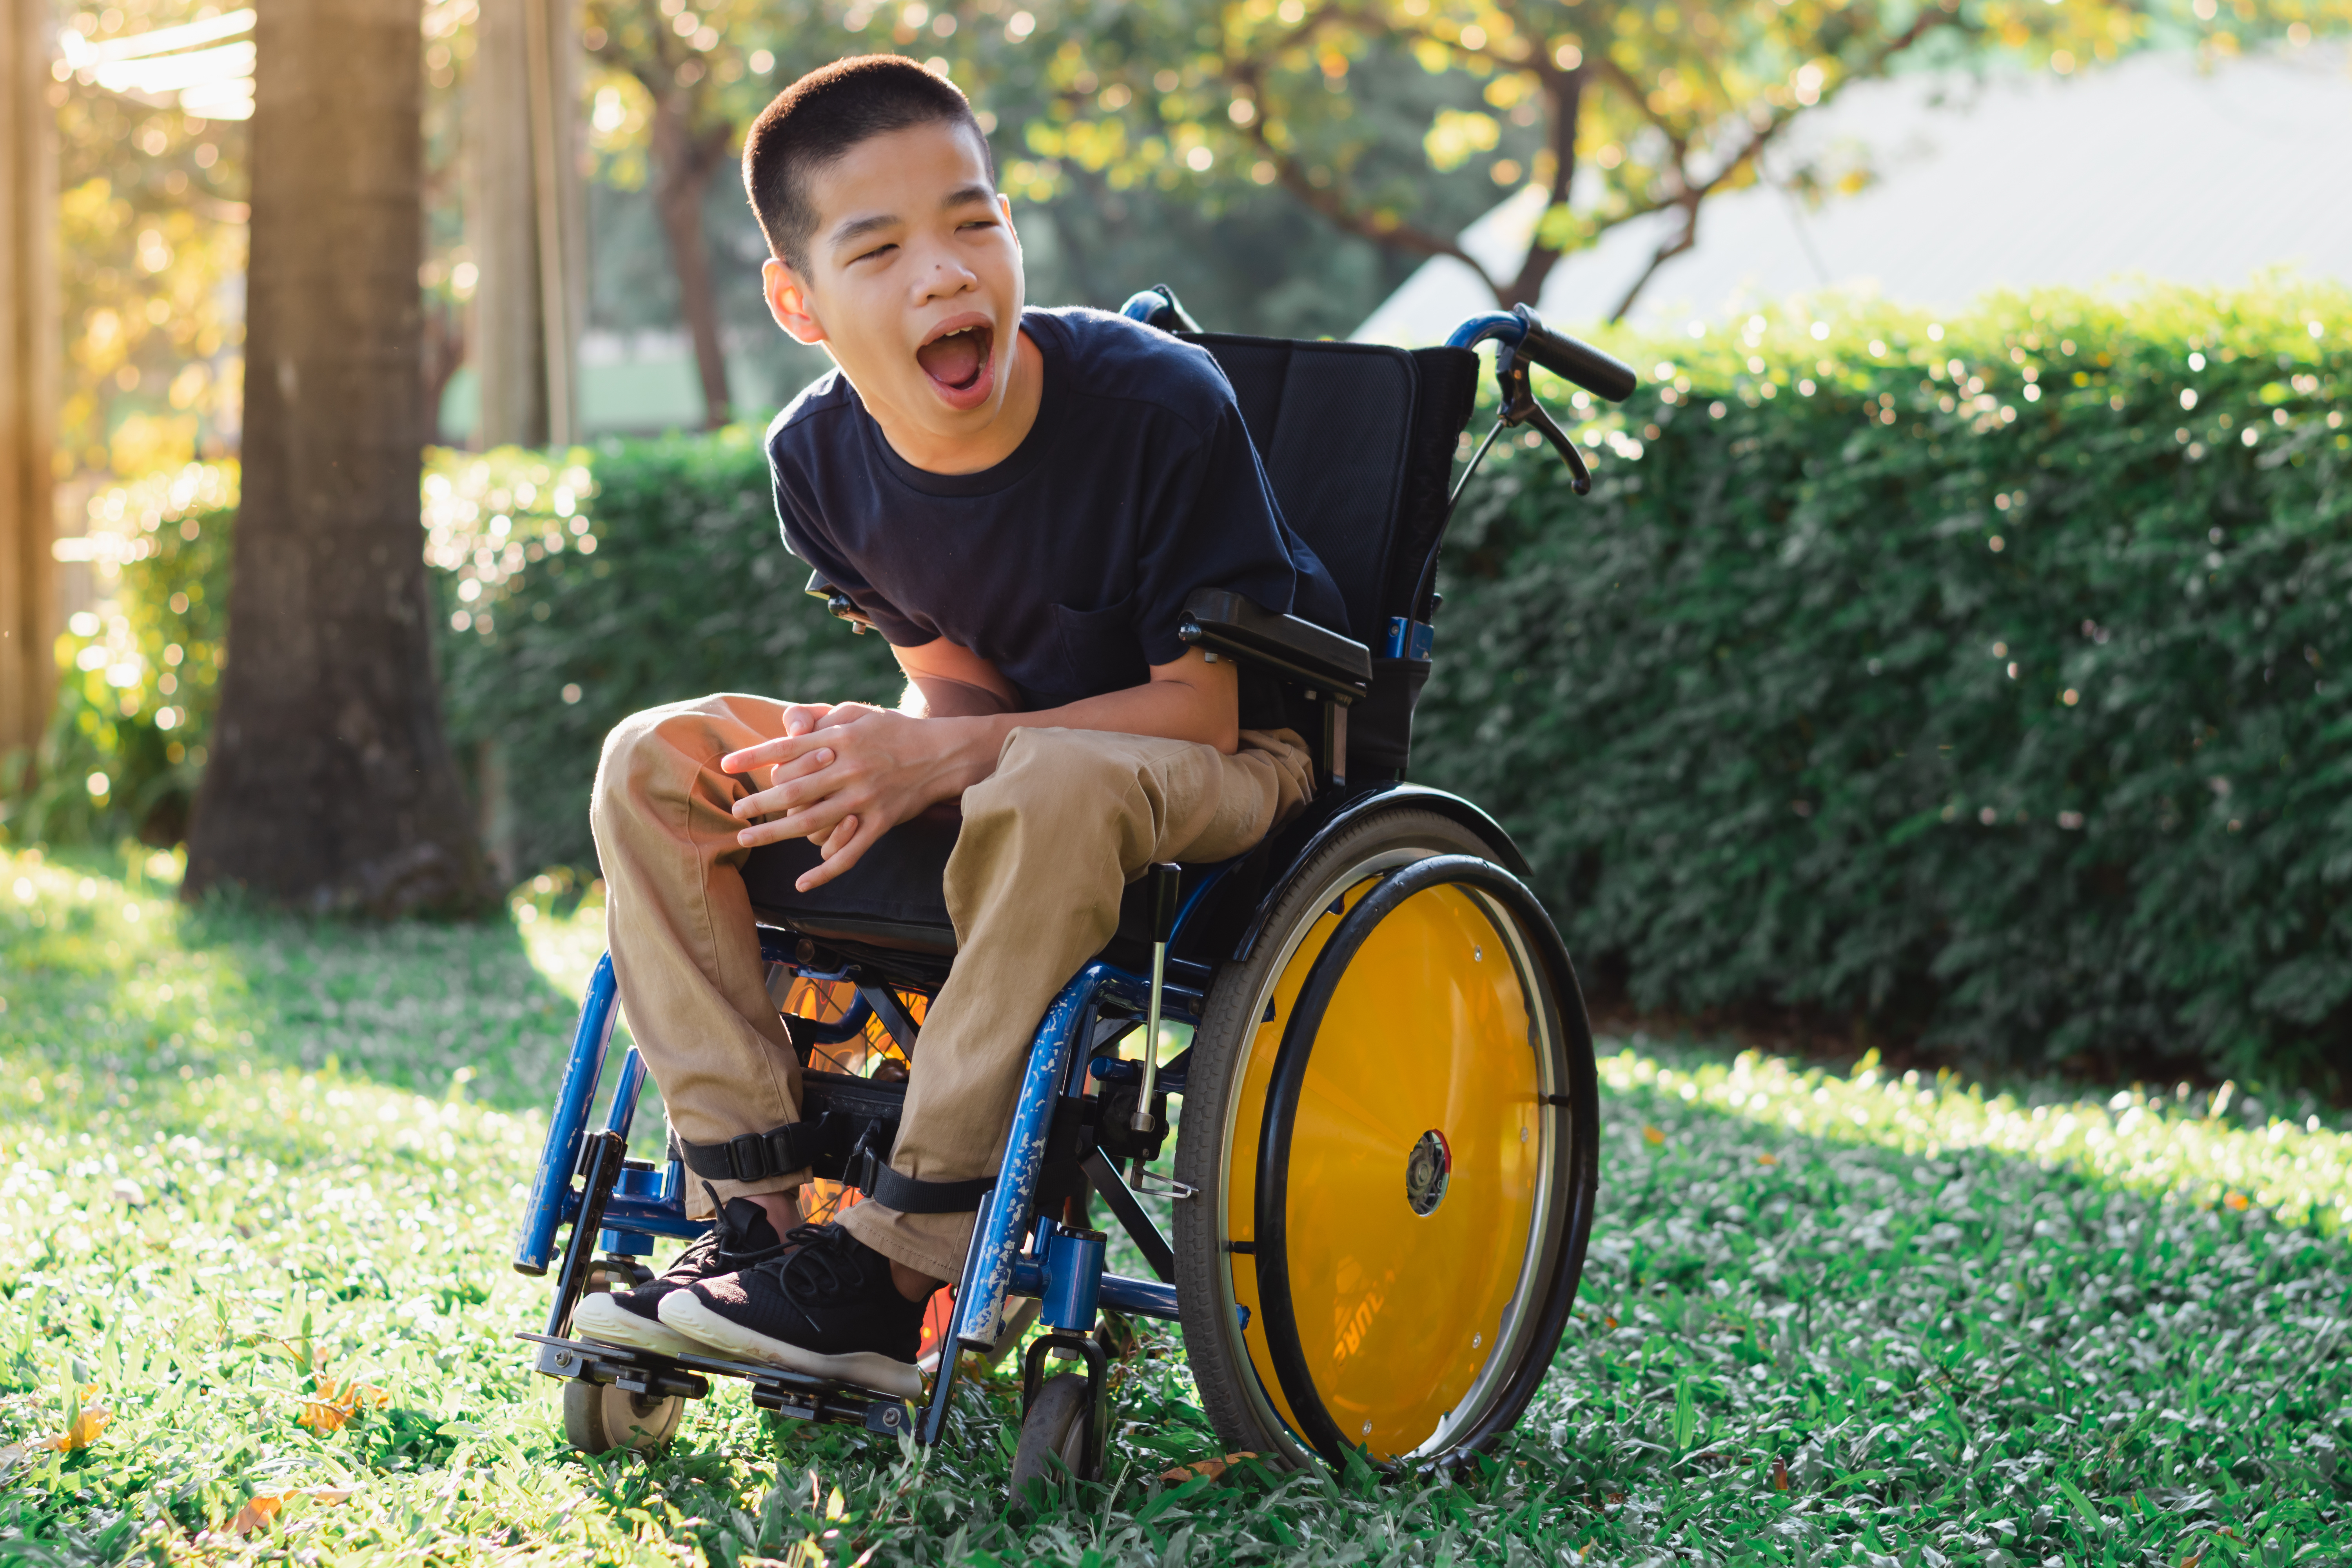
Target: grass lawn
(257, 1178)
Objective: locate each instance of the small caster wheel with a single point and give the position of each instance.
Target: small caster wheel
(1056, 1426)
(600, 1417)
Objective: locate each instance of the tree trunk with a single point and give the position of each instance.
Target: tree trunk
(331, 783)
(684, 161)
(524, 203)
(29, 355)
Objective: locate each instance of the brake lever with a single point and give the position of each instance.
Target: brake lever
(1520, 407)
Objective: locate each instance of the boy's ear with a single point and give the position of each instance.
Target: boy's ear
(788, 301)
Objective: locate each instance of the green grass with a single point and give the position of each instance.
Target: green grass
(1828, 1319)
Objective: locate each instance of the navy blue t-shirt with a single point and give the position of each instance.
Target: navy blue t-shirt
(1067, 565)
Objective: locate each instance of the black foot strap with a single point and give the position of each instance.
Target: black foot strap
(908, 1195)
(756, 1156)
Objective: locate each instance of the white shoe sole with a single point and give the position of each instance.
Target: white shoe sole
(868, 1369)
(600, 1318)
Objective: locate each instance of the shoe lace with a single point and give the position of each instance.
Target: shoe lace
(815, 1269)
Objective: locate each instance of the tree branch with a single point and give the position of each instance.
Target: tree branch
(1329, 204)
(1691, 192)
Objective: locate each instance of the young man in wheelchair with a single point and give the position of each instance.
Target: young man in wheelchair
(1021, 502)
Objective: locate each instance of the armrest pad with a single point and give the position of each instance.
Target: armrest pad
(1231, 624)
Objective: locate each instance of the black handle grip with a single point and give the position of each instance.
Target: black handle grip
(1166, 879)
(1603, 375)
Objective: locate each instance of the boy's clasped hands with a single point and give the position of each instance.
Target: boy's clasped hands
(844, 774)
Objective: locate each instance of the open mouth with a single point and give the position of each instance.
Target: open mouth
(957, 359)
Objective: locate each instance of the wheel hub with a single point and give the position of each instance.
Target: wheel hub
(1425, 1171)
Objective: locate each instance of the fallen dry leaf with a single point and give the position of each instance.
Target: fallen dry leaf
(1780, 1475)
(83, 1431)
(1653, 1136)
(334, 1403)
(263, 1507)
(1768, 1159)
(1210, 1468)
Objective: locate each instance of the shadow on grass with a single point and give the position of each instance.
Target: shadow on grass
(1822, 1321)
(111, 978)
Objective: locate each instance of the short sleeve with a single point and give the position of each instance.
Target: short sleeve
(805, 536)
(1217, 526)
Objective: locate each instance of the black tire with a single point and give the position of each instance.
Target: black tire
(600, 1417)
(1233, 1392)
(1054, 1428)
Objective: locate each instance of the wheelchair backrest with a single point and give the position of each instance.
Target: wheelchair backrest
(1358, 441)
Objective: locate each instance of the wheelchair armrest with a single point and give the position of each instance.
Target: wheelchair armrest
(838, 603)
(1237, 626)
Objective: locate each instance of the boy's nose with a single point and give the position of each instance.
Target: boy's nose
(948, 278)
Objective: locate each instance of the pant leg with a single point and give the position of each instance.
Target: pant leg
(1049, 842)
(680, 927)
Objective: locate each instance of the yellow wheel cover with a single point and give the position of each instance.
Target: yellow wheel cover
(1422, 1093)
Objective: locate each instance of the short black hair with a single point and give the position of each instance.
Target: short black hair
(817, 120)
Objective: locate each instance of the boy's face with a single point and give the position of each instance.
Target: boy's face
(914, 281)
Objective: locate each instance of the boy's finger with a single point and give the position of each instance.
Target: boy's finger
(782, 749)
(842, 850)
(780, 795)
(811, 823)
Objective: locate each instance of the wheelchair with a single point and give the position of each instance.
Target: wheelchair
(1385, 1163)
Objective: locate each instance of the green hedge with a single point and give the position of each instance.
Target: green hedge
(576, 590)
(139, 675)
(1864, 684)
(1980, 683)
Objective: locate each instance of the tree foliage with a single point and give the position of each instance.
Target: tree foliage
(1616, 108)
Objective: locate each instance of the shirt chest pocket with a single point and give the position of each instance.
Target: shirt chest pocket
(1101, 650)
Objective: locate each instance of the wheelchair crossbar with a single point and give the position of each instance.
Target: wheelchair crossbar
(1138, 1298)
(653, 1216)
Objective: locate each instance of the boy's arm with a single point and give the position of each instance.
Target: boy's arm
(948, 680)
(860, 769)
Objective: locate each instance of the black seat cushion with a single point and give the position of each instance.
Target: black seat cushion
(891, 898)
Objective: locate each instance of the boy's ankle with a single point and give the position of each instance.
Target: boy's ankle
(912, 1283)
(783, 1210)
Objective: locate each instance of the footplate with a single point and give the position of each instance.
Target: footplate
(787, 1393)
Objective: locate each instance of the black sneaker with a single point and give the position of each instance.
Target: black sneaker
(742, 1237)
(827, 1308)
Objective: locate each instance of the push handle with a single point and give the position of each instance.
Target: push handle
(1603, 375)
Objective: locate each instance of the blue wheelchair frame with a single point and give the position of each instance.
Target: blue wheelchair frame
(625, 1207)
(585, 1181)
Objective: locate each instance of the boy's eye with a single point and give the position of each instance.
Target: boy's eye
(870, 254)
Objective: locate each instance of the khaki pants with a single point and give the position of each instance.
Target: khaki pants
(1049, 842)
